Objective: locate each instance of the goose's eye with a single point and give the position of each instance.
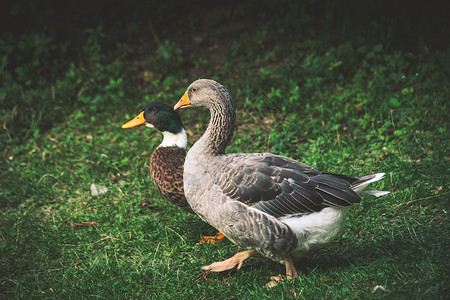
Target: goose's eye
(194, 89)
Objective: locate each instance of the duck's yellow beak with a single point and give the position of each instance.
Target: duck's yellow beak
(183, 103)
(139, 120)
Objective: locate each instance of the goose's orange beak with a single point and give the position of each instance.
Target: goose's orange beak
(139, 120)
(183, 103)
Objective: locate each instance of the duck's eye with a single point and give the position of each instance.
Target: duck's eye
(194, 89)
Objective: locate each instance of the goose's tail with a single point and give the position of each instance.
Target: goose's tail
(361, 184)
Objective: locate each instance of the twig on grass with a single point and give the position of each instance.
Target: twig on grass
(416, 200)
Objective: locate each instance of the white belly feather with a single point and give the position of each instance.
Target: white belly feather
(316, 229)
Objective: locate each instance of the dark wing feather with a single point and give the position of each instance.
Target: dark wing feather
(281, 186)
(339, 190)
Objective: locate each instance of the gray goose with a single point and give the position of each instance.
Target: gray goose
(262, 202)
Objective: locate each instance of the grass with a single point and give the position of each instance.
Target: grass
(335, 85)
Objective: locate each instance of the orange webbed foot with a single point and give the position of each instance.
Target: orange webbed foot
(212, 239)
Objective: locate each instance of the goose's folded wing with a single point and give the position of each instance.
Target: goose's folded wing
(282, 186)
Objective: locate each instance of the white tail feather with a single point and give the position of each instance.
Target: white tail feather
(360, 185)
(375, 193)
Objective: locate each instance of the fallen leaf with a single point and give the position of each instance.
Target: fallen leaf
(82, 224)
(202, 276)
(386, 155)
(146, 203)
(358, 107)
(328, 279)
(294, 293)
(143, 203)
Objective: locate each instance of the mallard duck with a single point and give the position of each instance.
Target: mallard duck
(262, 202)
(166, 163)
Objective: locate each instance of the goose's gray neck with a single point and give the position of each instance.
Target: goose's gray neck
(221, 126)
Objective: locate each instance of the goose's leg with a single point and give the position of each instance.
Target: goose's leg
(237, 259)
(212, 239)
(291, 272)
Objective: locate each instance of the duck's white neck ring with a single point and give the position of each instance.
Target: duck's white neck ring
(174, 139)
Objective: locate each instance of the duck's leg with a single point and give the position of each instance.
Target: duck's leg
(291, 272)
(237, 259)
(212, 239)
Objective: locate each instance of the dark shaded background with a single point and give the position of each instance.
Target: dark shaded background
(45, 37)
(413, 24)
